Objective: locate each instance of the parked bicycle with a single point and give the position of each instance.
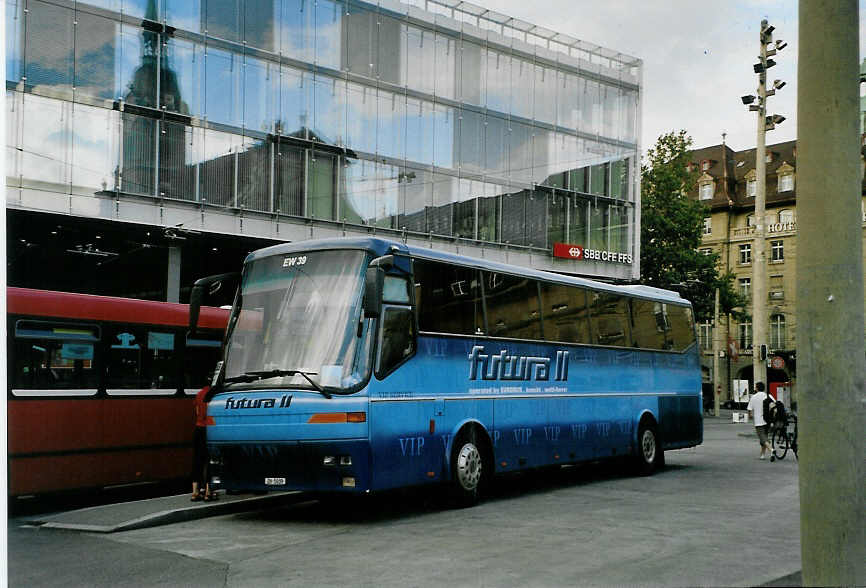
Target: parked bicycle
(785, 437)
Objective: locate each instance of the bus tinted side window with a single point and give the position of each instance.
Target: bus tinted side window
(648, 332)
(610, 319)
(682, 328)
(512, 306)
(54, 359)
(141, 360)
(565, 314)
(448, 298)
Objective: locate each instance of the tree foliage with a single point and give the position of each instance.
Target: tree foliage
(671, 227)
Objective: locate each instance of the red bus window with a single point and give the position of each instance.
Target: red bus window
(141, 361)
(54, 359)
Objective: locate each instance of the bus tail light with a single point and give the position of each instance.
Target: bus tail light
(337, 417)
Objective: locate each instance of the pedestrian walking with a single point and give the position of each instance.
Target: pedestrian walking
(200, 485)
(756, 408)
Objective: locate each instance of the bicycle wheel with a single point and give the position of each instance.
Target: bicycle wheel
(780, 443)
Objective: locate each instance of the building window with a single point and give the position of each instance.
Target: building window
(746, 287)
(778, 250)
(706, 250)
(751, 188)
(708, 226)
(786, 183)
(745, 331)
(707, 190)
(750, 220)
(705, 165)
(705, 335)
(746, 253)
(786, 217)
(777, 331)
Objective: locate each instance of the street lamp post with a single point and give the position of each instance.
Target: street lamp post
(759, 245)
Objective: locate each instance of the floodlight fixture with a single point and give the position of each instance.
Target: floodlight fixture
(770, 63)
(778, 84)
(748, 99)
(780, 44)
(777, 119)
(754, 108)
(758, 67)
(768, 30)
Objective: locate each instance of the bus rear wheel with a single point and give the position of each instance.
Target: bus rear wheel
(649, 455)
(469, 469)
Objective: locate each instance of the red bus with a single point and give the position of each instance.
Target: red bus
(101, 389)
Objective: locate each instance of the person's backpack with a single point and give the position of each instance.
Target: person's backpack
(769, 406)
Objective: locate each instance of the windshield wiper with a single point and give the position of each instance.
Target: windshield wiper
(260, 375)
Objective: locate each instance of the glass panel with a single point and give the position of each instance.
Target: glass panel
(254, 174)
(536, 219)
(598, 226)
(464, 211)
(391, 47)
(361, 118)
(445, 66)
(579, 222)
(289, 180)
(223, 87)
(45, 141)
(648, 332)
(296, 30)
(443, 136)
(217, 169)
(136, 75)
(48, 51)
(514, 217)
(488, 214)
(260, 94)
(619, 179)
(496, 146)
(590, 107)
(598, 179)
(140, 9)
(14, 152)
(445, 193)
(329, 110)
(223, 19)
(259, 23)
(565, 314)
(609, 319)
(321, 202)
(416, 199)
(328, 32)
(176, 177)
(473, 68)
(419, 126)
(577, 180)
(682, 328)
(294, 102)
(521, 87)
(448, 298)
(619, 229)
(421, 60)
(512, 306)
(471, 142)
(361, 38)
(610, 112)
(183, 14)
(542, 155)
(141, 360)
(520, 152)
(182, 64)
(557, 207)
(14, 39)
(567, 106)
(94, 147)
(138, 143)
(498, 81)
(94, 56)
(391, 125)
(387, 195)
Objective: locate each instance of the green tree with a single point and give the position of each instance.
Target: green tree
(671, 227)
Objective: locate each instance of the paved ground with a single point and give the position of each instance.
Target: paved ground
(716, 516)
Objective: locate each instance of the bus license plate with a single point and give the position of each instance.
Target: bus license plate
(275, 481)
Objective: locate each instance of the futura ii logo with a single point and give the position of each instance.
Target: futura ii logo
(516, 367)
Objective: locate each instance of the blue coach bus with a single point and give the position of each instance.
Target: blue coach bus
(358, 365)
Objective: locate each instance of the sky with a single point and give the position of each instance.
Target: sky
(697, 58)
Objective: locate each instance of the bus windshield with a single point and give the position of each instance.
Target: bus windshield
(299, 313)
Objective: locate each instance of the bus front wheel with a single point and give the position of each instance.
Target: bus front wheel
(469, 469)
(650, 455)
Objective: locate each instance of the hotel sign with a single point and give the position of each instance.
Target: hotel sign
(570, 251)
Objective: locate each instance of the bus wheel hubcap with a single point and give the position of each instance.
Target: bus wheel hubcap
(468, 466)
(648, 443)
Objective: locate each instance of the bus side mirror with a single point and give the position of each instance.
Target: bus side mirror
(201, 290)
(374, 282)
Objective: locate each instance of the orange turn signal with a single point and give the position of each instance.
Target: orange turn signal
(338, 417)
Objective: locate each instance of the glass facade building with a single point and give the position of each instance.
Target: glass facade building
(435, 120)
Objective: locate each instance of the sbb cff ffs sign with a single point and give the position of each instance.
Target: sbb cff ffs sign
(570, 251)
